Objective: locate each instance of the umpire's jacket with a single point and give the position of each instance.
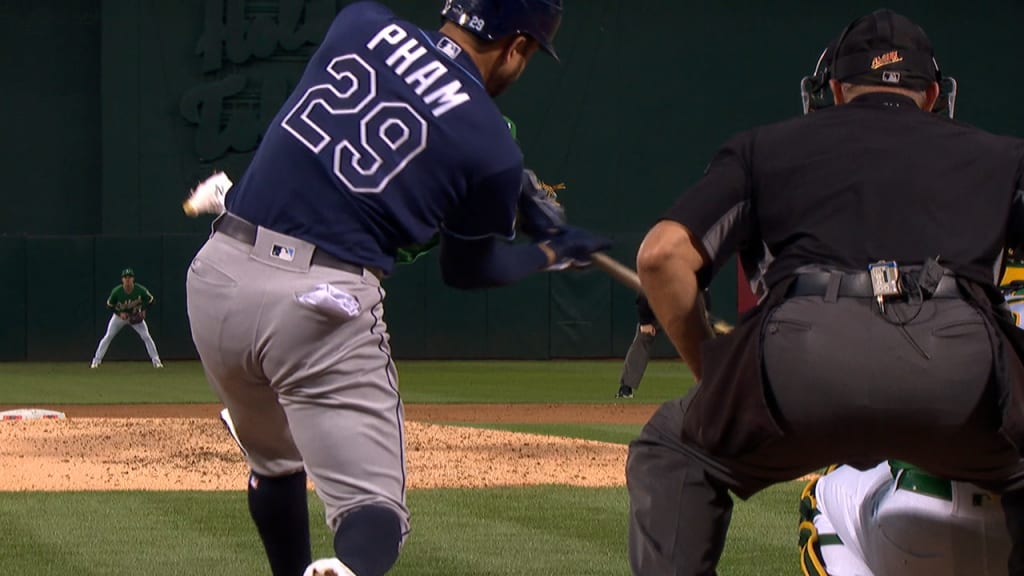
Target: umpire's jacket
(838, 189)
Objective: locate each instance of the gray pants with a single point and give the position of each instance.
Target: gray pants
(114, 326)
(637, 357)
(844, 386)
(300, 357)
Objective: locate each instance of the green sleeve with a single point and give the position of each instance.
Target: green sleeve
(146, 295)
(110, 299)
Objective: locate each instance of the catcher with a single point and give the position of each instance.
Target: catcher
(128, 302)
(898, 519)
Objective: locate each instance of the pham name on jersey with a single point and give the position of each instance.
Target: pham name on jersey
(423, 77)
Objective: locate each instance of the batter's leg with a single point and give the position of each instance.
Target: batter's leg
(346, 416)
(637, 357)
(113, 327)
(223, 338)
(143, 330)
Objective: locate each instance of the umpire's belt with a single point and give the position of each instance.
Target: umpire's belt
(245, 231)
(856, 285)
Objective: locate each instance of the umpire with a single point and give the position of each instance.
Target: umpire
(879, 231)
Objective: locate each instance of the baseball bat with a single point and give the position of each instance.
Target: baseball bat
(618, 271)
(628, 278)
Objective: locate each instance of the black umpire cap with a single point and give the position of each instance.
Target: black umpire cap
(885, 49)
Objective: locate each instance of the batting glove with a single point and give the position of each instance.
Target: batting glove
(573, 246)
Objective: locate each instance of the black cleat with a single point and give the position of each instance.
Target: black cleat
(624, 392)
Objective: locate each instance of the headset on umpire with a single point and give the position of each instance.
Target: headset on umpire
(816, 93)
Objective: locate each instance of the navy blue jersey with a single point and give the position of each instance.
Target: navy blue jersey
(389, 136)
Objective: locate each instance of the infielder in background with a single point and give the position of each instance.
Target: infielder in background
(390, 136)
(128, 302)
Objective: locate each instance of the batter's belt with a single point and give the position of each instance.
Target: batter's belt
(855, 285)
(245, 231)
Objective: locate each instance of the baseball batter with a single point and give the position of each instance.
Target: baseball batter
(390, 137)
(128, 302)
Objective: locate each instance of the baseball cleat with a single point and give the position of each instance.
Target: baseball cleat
(158, 364)
(328, 567)
(95, 364)
(208, 196)
(624, 392)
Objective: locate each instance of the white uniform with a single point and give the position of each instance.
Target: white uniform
(128, 299)
(113, 327)
(891, 521)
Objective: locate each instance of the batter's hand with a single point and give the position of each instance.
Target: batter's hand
(540, 214)
(573, 246)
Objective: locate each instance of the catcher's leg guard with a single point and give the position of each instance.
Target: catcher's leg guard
(810, 540)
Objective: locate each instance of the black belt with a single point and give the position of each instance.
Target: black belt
(857, 285)
(245, 231)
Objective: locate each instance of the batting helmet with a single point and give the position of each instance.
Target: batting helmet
(495, 19)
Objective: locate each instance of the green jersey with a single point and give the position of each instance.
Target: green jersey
(121, 301)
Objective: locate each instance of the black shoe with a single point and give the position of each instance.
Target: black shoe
(624, 392)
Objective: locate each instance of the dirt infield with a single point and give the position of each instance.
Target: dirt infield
(625, 413)
(184, 447)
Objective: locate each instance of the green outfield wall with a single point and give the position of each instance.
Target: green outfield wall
(115, 108)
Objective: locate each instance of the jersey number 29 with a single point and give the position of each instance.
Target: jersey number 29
(390, 134)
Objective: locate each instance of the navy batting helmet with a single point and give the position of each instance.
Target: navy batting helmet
(496, 19)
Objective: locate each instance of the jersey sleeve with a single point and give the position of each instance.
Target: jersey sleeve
(111, 302)
(489, 209)
(147, 296)
(717, 209)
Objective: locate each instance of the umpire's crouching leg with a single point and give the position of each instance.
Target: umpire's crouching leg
(664, 477)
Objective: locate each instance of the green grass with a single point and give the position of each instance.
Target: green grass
(564, 381)
(539, 530)
(529, 531)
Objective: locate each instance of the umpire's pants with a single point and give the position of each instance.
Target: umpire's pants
(845, 385)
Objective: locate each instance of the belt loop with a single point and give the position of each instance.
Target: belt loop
(832, 291)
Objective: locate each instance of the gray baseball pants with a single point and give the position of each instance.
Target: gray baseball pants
(637, 357)
(844, 385)
(300, 357)
(114, 326)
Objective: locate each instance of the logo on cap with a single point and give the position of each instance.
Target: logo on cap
(886, 59)
(890, 77)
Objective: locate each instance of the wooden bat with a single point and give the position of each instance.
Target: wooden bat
(618, 271)
(628, 278)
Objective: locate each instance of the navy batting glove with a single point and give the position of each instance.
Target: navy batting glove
(573, 247)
